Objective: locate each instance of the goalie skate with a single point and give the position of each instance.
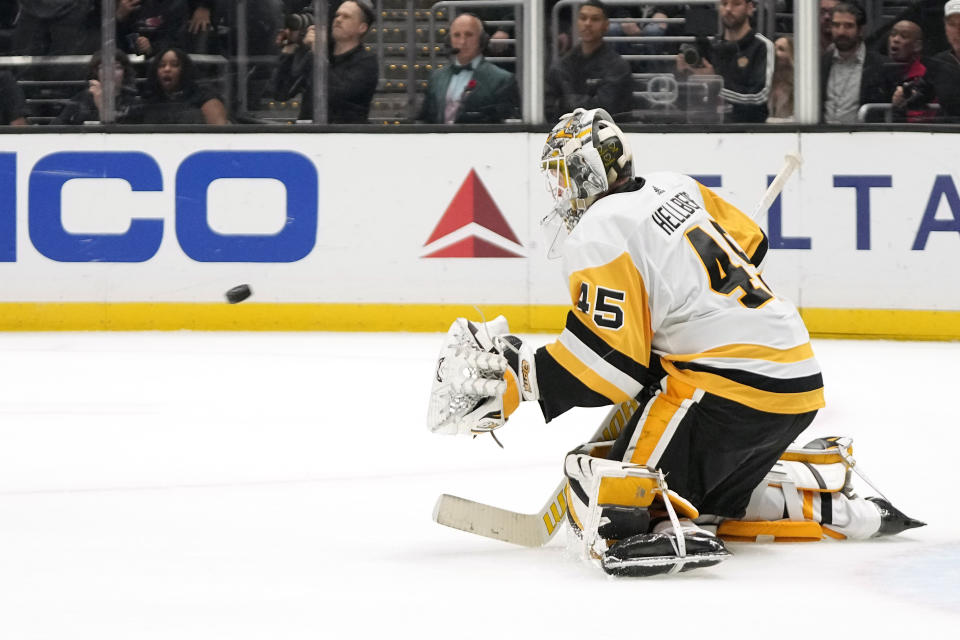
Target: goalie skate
(650, 554)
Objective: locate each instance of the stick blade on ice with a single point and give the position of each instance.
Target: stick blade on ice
(528, 530)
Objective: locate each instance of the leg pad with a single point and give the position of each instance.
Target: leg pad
(775, 530)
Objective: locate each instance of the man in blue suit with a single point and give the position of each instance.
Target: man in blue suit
(472, 90)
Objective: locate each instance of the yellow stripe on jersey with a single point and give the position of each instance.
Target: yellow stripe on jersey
(663, 408)
(749, 351)
(633, 334)
(587, 376)
(789, 403)
(738, 224)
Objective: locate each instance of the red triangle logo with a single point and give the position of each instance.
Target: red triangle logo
(472, 203)
(473, 247)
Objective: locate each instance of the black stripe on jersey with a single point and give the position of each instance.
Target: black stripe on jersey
(596, 344)
(560, 390)
(761, 251)
(757, 381)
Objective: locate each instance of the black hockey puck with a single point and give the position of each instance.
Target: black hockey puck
(238, 294)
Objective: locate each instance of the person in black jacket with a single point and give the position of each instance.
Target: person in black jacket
(351, 76)
(173, 95)
(944, 68)
(850, 74)
(87, 105)
(744, 59)
(592, 74)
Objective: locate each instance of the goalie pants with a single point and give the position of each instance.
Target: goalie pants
(714, 451)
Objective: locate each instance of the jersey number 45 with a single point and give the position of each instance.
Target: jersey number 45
(725, 276)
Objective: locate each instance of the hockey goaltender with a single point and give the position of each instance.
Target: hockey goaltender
(711, 373)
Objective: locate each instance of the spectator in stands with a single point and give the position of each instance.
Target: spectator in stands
(622, 25)
(471, 90)
(826, 32)
(147, 26)
(55, 28)
(351, 75)
(850, 75)
(173, 95)
(653, 29)
(292, 76)
(201, 21)
(944, 68)
(12, 106)
(744, 59)
(87, 106)
(591, 75)
(906, 74)
(780, 105)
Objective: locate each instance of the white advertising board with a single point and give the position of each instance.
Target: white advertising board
(870, 222)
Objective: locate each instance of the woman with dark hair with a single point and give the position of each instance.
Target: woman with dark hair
(173, 95)
(87, 105)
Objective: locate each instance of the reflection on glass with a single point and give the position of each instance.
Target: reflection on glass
(393, 61)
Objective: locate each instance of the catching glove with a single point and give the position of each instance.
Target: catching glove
(482, 375)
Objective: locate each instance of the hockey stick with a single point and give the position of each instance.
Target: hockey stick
(537, 529)
(791, 162)
(526, 529)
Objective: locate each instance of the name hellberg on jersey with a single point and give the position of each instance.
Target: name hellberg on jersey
(705, 253)
(671, 215)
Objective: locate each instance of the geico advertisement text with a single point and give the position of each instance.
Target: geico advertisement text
(191, 226)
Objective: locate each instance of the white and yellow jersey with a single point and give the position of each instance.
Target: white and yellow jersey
(664, 280)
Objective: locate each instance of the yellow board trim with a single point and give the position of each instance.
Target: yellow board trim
(888, 324)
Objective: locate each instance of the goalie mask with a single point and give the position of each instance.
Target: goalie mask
(584, 156)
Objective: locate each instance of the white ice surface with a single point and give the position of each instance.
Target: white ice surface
(206, 486)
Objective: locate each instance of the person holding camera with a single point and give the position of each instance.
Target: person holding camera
(591, 75)
(352, 73)
(743, 58)
(291, 77)
(911, 89)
